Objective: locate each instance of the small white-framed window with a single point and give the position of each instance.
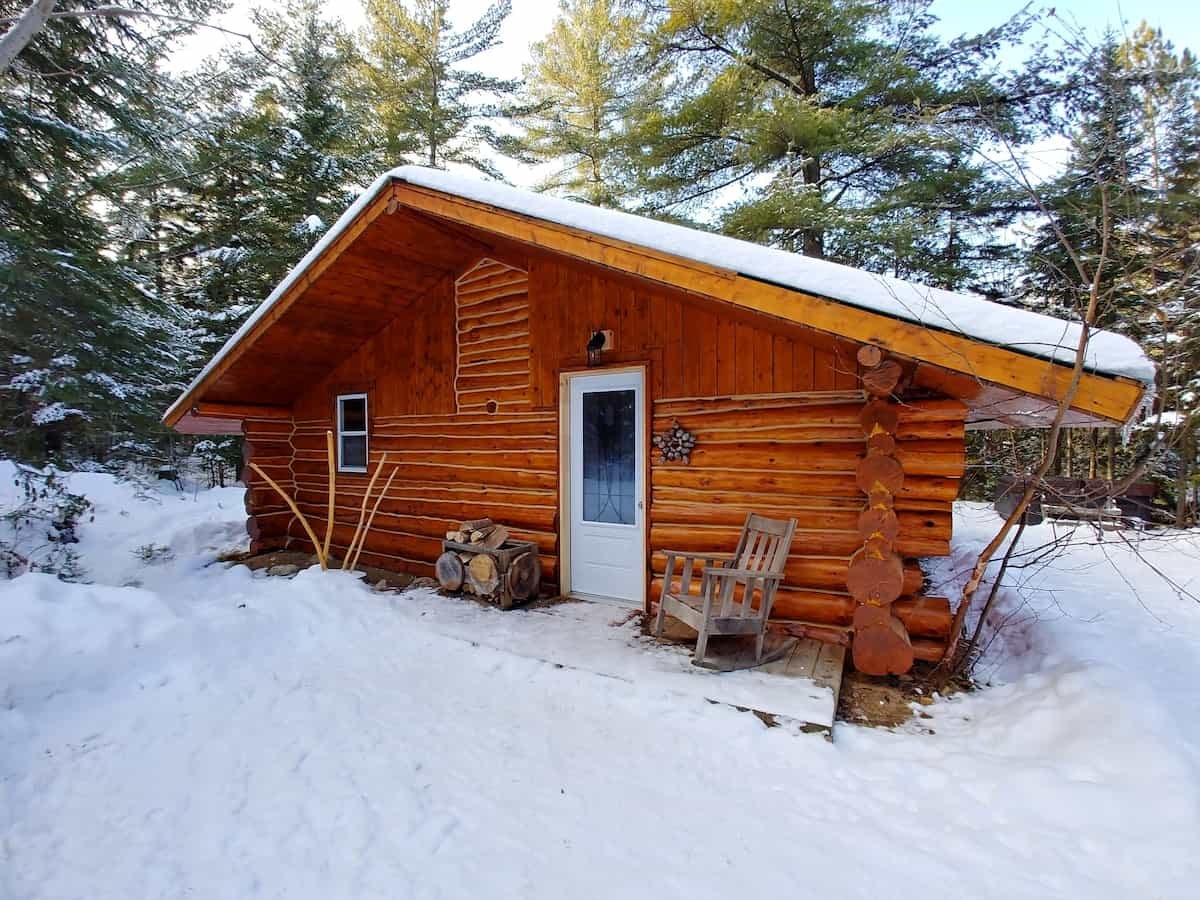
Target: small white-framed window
(352, 432)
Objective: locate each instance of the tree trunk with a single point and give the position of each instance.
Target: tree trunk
(1181, 482)
(27, 26)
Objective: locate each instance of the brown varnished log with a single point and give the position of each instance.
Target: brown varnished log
(928, 650)
(540, 460)
(259, 449)
(492, 315)
(266, 428)
(727, 482)
(878, 524)
(882, 379)
(435, 473)
(505, 379)
(875, 575)
(879, 415)
(817, 540)
(374, 556)
(878, 472)
(869, 356)
(881, 442)
(487, 496)
(880, 647)
(922, 616)
(820, 572)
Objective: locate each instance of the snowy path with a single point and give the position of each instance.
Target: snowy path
(212, 734)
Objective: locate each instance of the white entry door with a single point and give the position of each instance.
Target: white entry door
(607, 485)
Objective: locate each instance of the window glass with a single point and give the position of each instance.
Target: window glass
(354, 451)
(354, 414)
(352, 432)
(609, 457)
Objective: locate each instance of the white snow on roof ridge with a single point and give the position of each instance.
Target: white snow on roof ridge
(968, 314)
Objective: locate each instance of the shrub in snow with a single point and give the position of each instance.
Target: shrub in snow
(38, 526)
(154, 553)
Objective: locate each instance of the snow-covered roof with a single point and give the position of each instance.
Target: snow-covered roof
(958, 312)
(968, 314)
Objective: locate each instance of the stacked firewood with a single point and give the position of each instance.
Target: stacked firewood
(480, 558)
(483, 533)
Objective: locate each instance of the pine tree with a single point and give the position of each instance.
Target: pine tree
(427, 106)
(842, 128)
(588, 79)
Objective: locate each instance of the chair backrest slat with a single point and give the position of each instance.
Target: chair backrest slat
(763, 549)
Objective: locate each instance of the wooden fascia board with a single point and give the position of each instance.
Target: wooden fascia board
(1111, 398)
(281, 306)
(240, 411)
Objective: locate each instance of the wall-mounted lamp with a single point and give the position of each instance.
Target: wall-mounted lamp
(597, 343)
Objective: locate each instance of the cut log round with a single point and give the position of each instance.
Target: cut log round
(881, 647)
(523, 575)
(881, 442)
(881, 500)
(879, 415)
(882, 380)
(879, 524)
(877, 473)
(449, 571)
(870, 355)
(874, 577)
(482, 575)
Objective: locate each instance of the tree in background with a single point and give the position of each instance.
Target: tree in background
(85, 337)
(426, 105)
(275, 162)
(585, 83)
(835, 127)
(1108, 164)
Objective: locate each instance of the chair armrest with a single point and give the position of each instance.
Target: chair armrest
(692, 554)
(722, 572)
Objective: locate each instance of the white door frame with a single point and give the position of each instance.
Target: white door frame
(565, 522)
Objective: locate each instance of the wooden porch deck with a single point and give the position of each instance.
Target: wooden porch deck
(815, 667)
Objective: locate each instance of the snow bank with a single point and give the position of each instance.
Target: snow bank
(214, 733)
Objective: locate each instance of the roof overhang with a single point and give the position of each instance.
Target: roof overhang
(1020, 388)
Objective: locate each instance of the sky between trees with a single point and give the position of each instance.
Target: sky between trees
(530, 20)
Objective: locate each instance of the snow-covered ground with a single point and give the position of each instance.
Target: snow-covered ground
(180, 729)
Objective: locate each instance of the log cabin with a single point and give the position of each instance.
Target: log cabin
(515, 355)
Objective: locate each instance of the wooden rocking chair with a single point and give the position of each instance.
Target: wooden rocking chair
(757, 566)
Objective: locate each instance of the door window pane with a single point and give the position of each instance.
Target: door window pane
(609, 457)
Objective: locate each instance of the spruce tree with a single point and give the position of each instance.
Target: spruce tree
(427, 106)
(85, 338)
(277, 163)
(1099, 205)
